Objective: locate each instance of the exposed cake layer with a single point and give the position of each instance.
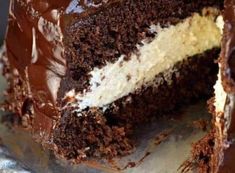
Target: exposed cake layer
(95, 133)
(170, 45)
(116, 30)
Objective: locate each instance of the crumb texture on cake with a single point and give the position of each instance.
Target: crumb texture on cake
(171, 45)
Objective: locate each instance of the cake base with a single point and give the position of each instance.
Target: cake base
(110, 134)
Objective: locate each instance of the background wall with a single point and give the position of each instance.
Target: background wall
(3, 18)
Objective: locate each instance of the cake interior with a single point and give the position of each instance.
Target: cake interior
(108, 70)
(168, 47)
(174, 67)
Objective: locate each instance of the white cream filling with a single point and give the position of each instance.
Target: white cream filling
(222, 119)
(173, 44)
(220, 95)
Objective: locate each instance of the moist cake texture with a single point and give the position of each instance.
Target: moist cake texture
(83, 74)
(152, 57)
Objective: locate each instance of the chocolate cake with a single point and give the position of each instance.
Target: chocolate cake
(84, 74)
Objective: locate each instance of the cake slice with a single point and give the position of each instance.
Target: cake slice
(84, 74)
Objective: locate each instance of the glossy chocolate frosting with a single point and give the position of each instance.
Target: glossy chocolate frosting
(228, 51)
(227, 157)
(35, 51)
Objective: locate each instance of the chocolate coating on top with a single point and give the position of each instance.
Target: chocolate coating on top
(228, 51)
(228, 75)
(34, 49)
(225, 152)
(34, 43)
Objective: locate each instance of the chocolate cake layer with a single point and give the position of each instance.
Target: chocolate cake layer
(97, 134)
(117, 30)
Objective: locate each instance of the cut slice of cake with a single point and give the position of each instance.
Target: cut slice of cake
(84, 74)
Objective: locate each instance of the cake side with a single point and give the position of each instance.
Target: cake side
(224, 153)
(223, 148)
(227, 54)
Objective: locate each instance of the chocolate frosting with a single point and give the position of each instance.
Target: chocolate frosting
(35, 49)
(226, 148)
(228, 77)
(228, 51)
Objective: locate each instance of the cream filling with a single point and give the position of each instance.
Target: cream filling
(220, 95)
(173, 44)
(222, 120)
(219, 104)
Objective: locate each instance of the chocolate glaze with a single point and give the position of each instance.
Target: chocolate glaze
(35, 50)
(225, 152)
(226, 144)
(228, 51)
